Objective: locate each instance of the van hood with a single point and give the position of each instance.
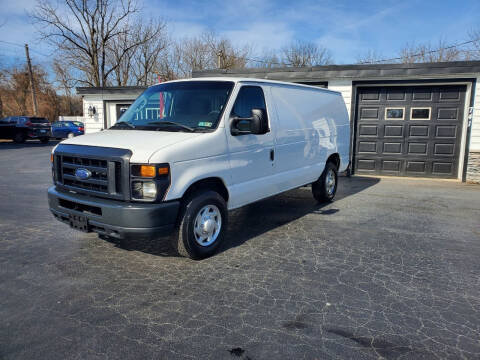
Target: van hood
(141, 143)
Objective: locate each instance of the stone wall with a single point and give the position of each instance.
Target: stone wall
(473, 167)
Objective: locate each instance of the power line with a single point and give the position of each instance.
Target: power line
(22, 45)
(425, 53)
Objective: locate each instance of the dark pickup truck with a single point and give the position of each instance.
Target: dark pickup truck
(22, 128)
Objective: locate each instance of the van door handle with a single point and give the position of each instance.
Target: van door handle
(272, 154)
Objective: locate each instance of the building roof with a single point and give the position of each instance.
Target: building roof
(110, 90)
(373, 71)
(139, 89)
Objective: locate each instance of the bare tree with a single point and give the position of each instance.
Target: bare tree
(83, 30)
(300, 53)
(369, 57)
(65, 82)
(422, 53)
(473, 53)
(268, 59)
(148, 54)
(228, 56)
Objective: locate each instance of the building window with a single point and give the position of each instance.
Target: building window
(394, 113)
(420, 113)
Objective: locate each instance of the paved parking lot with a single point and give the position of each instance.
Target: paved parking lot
(391, 269)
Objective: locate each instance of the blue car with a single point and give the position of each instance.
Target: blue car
(67, 129)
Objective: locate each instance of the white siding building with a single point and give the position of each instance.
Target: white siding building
(103, 106)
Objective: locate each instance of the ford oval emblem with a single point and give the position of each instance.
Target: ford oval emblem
(82, 174)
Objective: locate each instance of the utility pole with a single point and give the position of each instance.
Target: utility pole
(219, 59)
(34, 95)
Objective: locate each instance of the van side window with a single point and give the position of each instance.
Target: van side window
(248, 98)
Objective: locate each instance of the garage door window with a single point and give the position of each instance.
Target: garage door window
(420, 113)
(394, 113)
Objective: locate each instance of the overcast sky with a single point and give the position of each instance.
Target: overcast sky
(347, 28)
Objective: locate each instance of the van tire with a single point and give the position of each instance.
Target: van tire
(322, 189)
(184, 238)
(44, 140)
(70, 135)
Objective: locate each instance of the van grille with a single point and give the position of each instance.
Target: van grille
(104, 179)
(107, 170)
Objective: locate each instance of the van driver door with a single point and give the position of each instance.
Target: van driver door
(252, 157)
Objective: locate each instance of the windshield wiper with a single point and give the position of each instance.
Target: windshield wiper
(123, 124)
(171, 123)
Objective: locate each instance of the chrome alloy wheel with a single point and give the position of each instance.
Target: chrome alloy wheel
(207, 226)
(330, 182)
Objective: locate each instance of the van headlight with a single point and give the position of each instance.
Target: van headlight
(144, 190)
(149, 182)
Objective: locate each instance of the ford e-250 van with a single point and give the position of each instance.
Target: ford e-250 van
(186, 152)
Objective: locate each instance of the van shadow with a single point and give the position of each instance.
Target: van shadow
(261, 217)
(258, 218)
(8, 145)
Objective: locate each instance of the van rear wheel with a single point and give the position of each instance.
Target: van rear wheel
(325, 188)
(202, 225)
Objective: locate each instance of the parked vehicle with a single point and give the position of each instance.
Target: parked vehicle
(22, 128)
(67, 129)
(185, 152)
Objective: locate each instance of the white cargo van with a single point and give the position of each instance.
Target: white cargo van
(185, 152)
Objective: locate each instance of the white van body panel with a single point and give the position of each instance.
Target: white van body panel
(142, 144)
(307, 125)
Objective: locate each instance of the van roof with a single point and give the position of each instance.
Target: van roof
(250, 80)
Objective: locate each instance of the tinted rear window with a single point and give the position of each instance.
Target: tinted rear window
(35, 120)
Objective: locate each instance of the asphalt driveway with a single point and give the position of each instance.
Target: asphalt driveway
(391, 269)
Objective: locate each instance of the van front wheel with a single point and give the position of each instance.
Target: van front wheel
(202, 225)
(325, 188)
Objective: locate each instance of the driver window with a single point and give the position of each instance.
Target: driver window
(248, 98)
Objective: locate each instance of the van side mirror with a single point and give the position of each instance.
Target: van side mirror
(256, 124)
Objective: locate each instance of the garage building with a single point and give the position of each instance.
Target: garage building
(406, 119)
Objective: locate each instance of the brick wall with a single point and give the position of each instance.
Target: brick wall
(473, 167)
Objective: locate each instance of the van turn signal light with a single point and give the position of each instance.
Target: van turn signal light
(163, 170)
(147, 171)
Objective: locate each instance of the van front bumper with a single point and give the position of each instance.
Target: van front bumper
(113, 218)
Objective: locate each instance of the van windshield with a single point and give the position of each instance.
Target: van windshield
(179, 106)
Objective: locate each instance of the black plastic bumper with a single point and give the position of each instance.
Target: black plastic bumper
(114, 218)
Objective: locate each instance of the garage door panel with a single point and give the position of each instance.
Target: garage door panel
(446, 131)
(372, 94)
(418, 131)
(444, 149)
(418, 148)
(418, 167)
(366, 164)
(368, 130)
(367, 147)
(391, 165)
(420, 136)
(442, 168)
(396, 94)
(447, 113)
(422, 94)
(369, 113)
(393, 131)
(449, 94)
(392, 148)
